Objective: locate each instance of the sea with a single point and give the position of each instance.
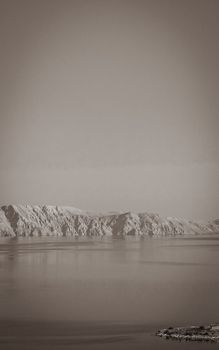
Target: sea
(59, 293)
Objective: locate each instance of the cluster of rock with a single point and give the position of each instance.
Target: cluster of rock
(209, 333)
(26, 220)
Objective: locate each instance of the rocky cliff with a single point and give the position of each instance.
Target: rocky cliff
(20, 220)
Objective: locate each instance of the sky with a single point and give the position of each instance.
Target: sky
(111, 105)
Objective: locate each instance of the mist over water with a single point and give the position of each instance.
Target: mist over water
(105, 292)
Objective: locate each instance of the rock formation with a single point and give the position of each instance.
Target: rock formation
(207, 333)
(26, 220)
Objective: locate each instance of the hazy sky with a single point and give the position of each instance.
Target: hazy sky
(111, 105)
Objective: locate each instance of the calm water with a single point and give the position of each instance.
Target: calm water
(60, 293)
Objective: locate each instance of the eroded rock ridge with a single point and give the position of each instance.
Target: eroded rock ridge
(27, 220)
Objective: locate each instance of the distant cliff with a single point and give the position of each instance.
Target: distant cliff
(20, 220)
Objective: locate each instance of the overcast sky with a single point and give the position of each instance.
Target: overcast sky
(111, 105)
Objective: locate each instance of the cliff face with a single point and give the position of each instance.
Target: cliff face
(66, 221)
(5, 227)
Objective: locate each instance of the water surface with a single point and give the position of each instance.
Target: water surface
(61, 293)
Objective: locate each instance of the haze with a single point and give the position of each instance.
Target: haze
(110, 105)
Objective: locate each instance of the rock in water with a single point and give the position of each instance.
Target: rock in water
(207, 333)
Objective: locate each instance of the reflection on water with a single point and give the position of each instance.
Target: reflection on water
(64, 293)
